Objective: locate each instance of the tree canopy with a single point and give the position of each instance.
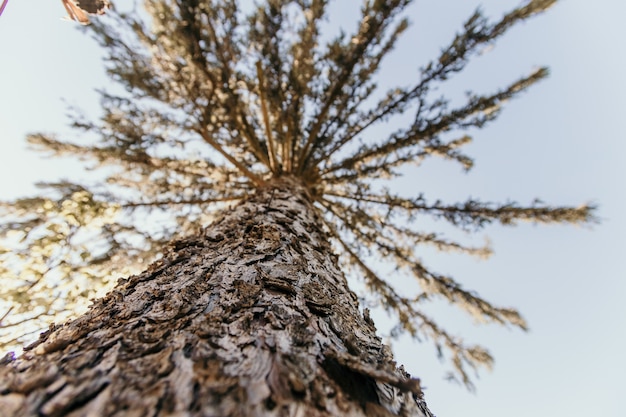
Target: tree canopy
(213, 98)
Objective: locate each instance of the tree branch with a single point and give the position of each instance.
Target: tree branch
(244, 171)
(266, 119)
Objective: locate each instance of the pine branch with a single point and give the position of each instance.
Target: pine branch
(274, 167)
(302, 73)
(376, 18)
(233, 104)
(360, 89)
(477, 214)
(387, 168)
(406, 236)
(267, 26)
(454, 58)
(372, 234)
(127, 156)
(193, 202)
(244, 171)
(426, 130)
(414, 321)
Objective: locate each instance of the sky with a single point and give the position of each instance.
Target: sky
(562, 141)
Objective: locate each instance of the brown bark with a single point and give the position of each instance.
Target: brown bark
(250, 317)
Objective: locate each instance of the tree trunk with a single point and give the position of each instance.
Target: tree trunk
(250, 317)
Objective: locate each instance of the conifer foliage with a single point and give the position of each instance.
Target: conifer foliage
(213, 99)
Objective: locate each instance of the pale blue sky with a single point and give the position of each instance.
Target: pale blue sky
(563, 141)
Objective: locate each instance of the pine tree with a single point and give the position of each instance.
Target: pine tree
(254, 123)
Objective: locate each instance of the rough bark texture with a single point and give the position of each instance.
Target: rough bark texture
(250, 317)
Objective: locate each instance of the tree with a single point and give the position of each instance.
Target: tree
(250, 315)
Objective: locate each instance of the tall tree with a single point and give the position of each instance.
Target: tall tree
(252, 315)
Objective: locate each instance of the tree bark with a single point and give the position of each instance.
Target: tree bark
(250, 317)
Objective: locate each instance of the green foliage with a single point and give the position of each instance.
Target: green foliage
(216, 101)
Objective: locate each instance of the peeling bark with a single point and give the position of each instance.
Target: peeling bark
(250, 317)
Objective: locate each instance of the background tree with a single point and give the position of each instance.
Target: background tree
(268, 113)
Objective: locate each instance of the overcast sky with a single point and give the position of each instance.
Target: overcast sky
(563, 142)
